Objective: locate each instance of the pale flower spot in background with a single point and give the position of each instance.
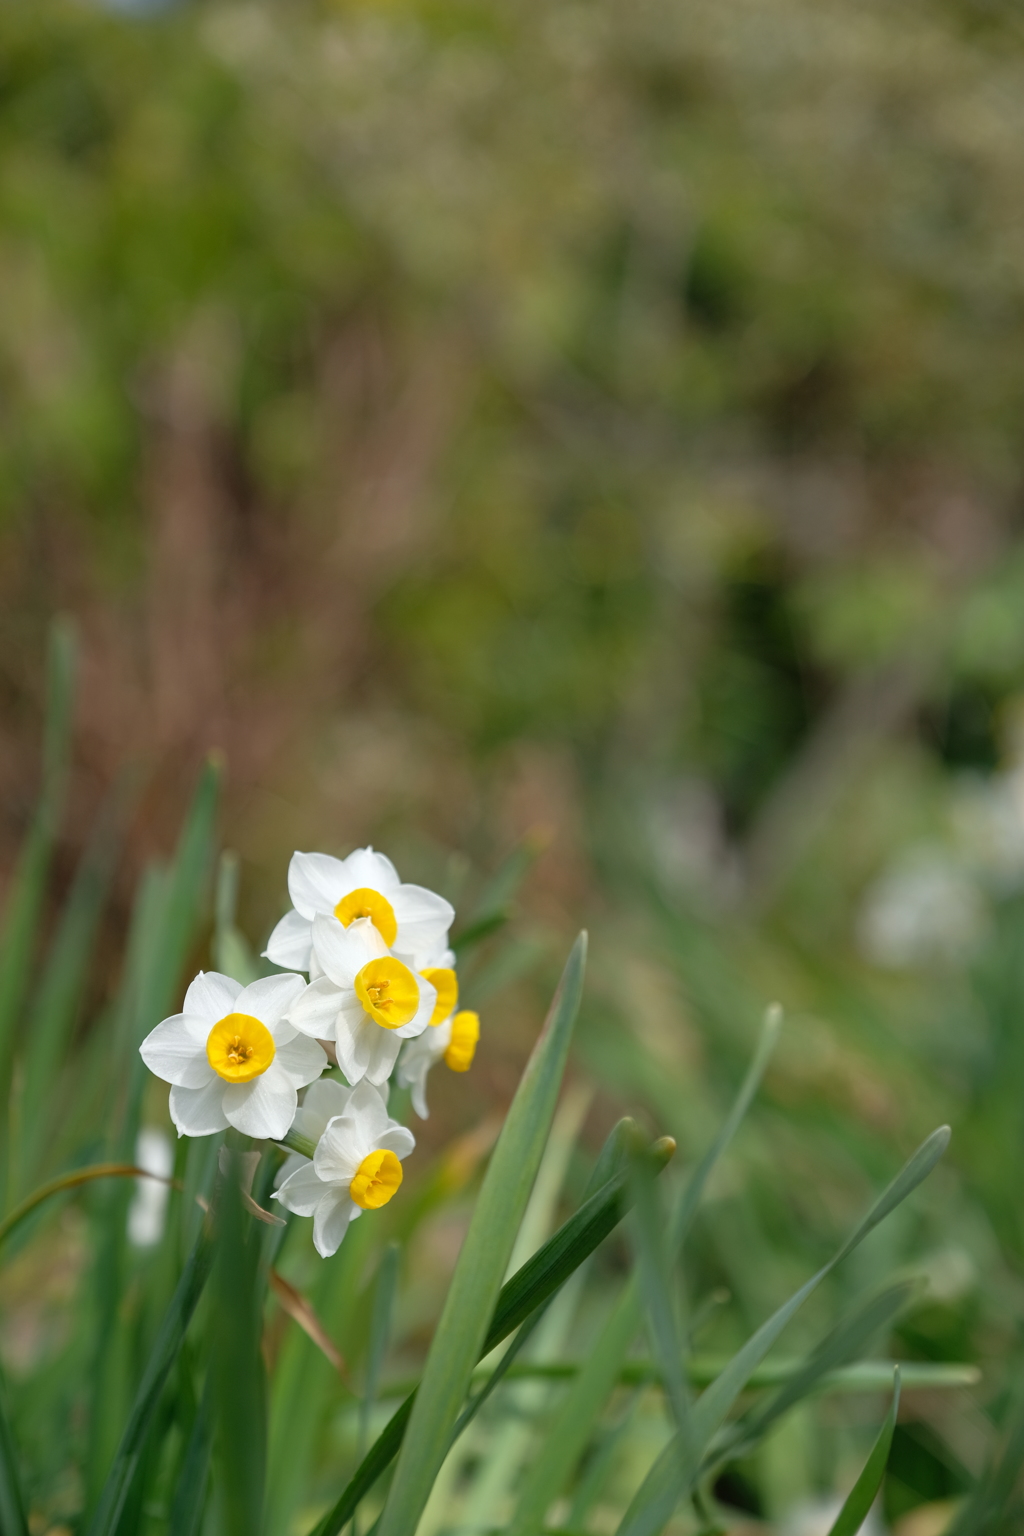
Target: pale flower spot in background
(924, 907)
(148, 1210)
(815, 1517)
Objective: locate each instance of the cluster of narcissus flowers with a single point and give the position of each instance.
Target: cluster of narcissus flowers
(381, 1000)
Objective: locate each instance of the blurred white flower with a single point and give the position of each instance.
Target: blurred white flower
(232, 1058)
(924, 908)
(357, 1165)
(412, 921)
(816, 1517)
(454, 1040)
(148, 1209)
(988, 823)
(362, 997)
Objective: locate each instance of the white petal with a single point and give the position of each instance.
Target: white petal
(397, 1139)
(316, 882)
(373, 870)
(270, 998)
(344, 951)
(417, 1059)
(423, 918)
(199, 1111)
(314, 1012)
(176, 1051)
(324, 1099)
(339, 1151)
(365, 1049)
(367, 1112)
(301, 1191)
(264, 1108)
(211, 996)
(330, 1223)
(292, 1163)
(290, 943)
(301, 1058)
(426, 959)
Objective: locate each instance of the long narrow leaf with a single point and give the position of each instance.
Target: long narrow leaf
(527, 1290)
(845, 1340)
(752, 1081)
(656, 1290)
(12, 1503)
(865, 1490)
(147, 1398)
(574, 1422)
(52, 1017)
(72, 1180)
(567, 1436)
(28, 888)
(233, 1324)
(675, 1469)
(485, 1253)
(190, 1493)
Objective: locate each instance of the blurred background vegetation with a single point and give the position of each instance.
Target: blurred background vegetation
(594, 423)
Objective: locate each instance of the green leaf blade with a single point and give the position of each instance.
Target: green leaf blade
(476, 1284)
(864, 1492)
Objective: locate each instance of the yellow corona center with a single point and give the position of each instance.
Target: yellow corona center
(371, 904)
(462, 1046)
(240, 1048)
(377, 1177)
(447, 984)
(389, 991)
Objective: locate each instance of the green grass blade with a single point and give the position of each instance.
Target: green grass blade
(673, 1473)
(624, 1140)
(232, 954)
(845, 1341)
(656, 1289)
(485, 1252)
(863, 1376)
(566, 1250)
(64, 1182)
(865, 1490)
(385, 1285)
(12, 1504)
(520, 1296)
(304, 1383)
(492, 910)
(567, 1436)
(28, 887)
(992, 1494)
(190, 1494)
(573, 1424)
(498, 1375)
(234, 1323)
(147, 1398)
(52, 1018)
(694, 1190)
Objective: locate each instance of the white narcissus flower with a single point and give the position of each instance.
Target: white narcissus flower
(231, 1057)
(454, 1040)
(322, 1101)
(357, 1166)
(410, 919)
(364, 998)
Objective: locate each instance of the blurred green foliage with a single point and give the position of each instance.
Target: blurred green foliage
(597, 415)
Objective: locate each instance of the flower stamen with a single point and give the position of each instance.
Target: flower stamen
(240, 1048)
(389, 992)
